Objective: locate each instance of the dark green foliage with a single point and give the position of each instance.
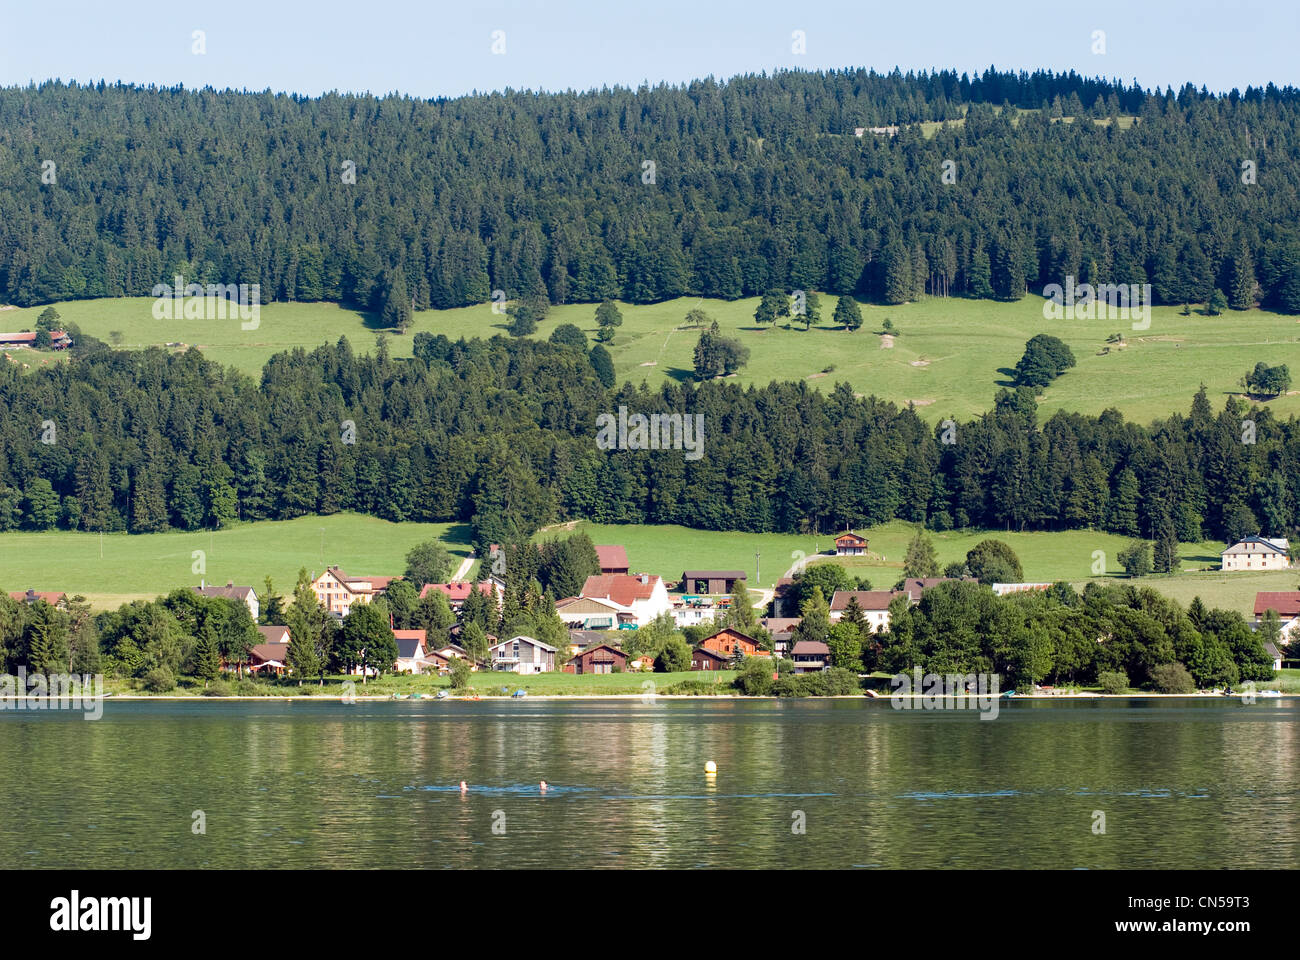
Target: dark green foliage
(1268, 381)
(1046, 357)
(718, 356)
(568, 335)
(992, 561)
(428, 562)
(603, 365)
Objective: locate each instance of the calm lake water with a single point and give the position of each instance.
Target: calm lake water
(1182, 784)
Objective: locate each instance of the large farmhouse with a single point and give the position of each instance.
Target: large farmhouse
(1258, 553)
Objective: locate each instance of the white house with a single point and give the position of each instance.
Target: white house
(1258, 553)
(874, 604)
(637, 598)
(523, 655)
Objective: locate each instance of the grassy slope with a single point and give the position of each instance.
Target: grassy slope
(949, 357)
(146, 565)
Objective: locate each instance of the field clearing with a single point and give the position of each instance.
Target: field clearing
(949, 356)
(142, 566)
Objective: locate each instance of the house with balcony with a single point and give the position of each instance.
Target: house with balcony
(522, 655)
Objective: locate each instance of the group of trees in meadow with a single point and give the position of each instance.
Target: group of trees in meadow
(392, 204)
(501, 434)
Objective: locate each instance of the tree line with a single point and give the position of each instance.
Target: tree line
(716, 189)
(500, 434)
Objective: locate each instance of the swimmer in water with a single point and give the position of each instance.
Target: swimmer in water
(463, 788)
(543, 786)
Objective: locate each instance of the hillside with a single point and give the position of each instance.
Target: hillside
(708, 189)
(949, 358)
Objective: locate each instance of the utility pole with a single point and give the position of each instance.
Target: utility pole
(758, 569)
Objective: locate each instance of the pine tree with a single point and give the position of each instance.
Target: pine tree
(397, 301)
(847, 313)
(921, 559)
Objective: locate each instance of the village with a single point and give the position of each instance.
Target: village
(618, 601)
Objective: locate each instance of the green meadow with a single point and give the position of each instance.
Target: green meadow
(949, 356)
(118, 567)
(115, 568)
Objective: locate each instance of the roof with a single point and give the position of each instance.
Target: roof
(1002, 589)
(31, 596)
(456, 592)
(867, 599)
(622, 588)
(269, 652)
(611, 557)
(29, 336)
(850, 536)
(732, 630)
(780, 624)
(373, 584)
(810, 648)
(710, 653)
(409, 643)
(602, 646)
(587, 638)
(1272, 651)
(1285, 602)
(713, 575)
(229, 591)
(1254, 544)
(535, 642)
(915, 586)
(274, 634)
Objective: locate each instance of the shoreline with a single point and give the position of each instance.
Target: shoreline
(389, 698)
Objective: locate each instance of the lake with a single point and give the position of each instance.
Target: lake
(1206, 783)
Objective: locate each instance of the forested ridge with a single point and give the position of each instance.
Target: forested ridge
(758, 183)
(501, 433)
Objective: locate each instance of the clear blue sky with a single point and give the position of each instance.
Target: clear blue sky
(431, 49)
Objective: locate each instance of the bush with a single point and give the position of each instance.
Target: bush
(217, 688)
(832, 682)
(460, 673)
(159, 680)
(1172, 678)
(695, 688)
(755, 679)
(1113, 681)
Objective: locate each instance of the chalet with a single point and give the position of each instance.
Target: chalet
(245, 595)
(703, 658)
(636, 598)
(810, 656)
(849, 544)
(274, 634)
(336, 591)
(450, 651)
(1258, 553)
(782, 631)
(874, 604)
(523, 655)
(600, 658)
(29, 597)
(412, 655)
(728, 641)
(587, 613)
(612, 559)
(457, 592)
(59, 340)
(269, 658)
(1287, 605)
(711, 581)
